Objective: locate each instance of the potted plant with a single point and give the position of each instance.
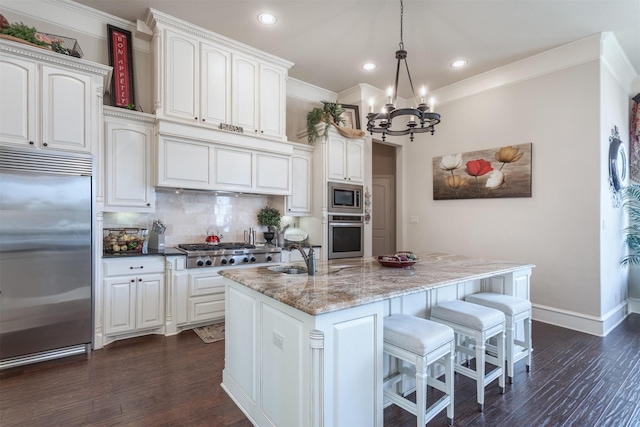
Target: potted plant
(331, 112)
(269, 217)
(631, 205)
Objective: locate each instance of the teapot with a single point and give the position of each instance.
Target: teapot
(213, 236)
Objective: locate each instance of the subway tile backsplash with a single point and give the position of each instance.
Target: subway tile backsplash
(188, 215)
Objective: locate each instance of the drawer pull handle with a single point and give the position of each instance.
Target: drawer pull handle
(142, 266)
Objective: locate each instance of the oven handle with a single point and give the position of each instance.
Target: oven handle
(348, 224)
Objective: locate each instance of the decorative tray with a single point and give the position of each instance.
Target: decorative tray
(403, 259)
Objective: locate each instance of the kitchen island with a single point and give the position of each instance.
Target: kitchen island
(307, 350)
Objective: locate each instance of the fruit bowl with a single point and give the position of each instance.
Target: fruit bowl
(403, 259)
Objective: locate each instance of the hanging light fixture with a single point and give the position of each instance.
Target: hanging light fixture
(418, 120)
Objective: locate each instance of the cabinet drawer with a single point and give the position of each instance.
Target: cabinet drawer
(206, 308)
(206, 285)
(134, 265)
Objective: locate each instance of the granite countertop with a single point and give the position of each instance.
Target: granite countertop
(341, 284)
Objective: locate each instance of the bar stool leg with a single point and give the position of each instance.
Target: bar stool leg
(510, 336)
(527, 340)
(480, 371)
(448, 372)
(421, 389)
(501, 346)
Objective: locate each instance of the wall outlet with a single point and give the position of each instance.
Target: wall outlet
(278, 340)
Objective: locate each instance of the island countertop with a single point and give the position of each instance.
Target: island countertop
(341, 284)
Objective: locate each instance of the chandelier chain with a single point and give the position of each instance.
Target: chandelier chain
(401, 19)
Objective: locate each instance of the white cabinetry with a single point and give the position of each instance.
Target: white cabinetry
(128, 167)
(55, 100)
(133, 296)
(299, 203)
(187, 163)
(345, 159)
(196, 84)
(207, 80)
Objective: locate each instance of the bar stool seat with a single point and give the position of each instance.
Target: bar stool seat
(515, 310)
(474, 325)
(421, 343)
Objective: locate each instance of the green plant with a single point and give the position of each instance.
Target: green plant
(331, 112)
(22, 31)
(131, 106)
(269, 217)
(631, 205)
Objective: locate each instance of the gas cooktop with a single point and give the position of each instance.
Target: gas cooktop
(228, 254)
(212, 247)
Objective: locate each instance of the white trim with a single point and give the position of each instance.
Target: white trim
(123, 113)
(599, 326)
(566, 56)
(307, 92)
(614, 58)
(634, 305)
(81, 18)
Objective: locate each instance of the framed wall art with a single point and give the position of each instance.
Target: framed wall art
(351, 116)
(484, 174)
(121, 59)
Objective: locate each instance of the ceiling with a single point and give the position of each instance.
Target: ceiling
(330, 40)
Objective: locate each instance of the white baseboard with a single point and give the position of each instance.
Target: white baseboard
(599, 326)
(634, 305)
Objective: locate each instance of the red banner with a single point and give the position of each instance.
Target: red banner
(121, 69)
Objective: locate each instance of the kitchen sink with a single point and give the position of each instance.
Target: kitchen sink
(289, 269)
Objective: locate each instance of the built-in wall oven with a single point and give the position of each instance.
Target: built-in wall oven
(346, 236)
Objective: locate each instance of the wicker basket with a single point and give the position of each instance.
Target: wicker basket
(61, 44)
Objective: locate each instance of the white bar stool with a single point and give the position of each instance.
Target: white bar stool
(473, 325)
(421, 343)
(515, 310)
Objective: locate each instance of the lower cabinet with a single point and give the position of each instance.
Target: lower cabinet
(198, 298)
(133, 296)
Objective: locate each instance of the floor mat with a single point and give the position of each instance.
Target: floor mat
(210, 333)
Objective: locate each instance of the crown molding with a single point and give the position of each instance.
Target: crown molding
(614, 58)
(307, 92)
(123, 113)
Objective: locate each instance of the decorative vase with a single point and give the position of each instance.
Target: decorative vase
(268, 236)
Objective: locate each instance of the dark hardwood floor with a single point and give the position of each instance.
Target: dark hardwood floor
(575, 380)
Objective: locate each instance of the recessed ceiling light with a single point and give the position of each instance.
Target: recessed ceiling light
(459, 63)
(369, 66)
(267, 18)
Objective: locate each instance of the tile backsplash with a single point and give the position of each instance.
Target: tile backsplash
(188, 215)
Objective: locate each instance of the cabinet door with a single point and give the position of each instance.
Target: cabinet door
(245, 93)
(300, 200)
(215, 85)
(272, 101)
(336, 166)
(181, 76)
(184, 164)
(66, 109)
(273, 173)
(119, 305)
(150, 301)
(233, 169)
(355, 160)
(128, 168)
(18, 106)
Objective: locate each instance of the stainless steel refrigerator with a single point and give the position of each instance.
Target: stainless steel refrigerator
(46, 276)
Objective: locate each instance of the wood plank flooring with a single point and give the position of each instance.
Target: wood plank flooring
(575, 380)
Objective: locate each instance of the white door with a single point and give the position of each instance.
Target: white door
(245, 93)
(383, 236)
(272, 99)
(18, 117)
(215, 85)
(181, 76)
(150, 301)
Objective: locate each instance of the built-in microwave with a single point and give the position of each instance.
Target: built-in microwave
(345, 198)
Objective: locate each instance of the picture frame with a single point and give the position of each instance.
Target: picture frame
(351, 116)
(121, 59)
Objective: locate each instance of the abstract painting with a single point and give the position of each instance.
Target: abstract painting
(484, 174)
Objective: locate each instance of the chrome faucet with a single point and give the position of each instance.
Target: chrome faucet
(309, 259)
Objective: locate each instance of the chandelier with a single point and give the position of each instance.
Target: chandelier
(418, 120)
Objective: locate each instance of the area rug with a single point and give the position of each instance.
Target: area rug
(210, 333)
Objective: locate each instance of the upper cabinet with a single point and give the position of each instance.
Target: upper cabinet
(51, 101)
(128, 161)
(210, 81)
(345, 159)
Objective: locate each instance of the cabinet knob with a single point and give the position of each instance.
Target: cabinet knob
(31, 143)
(256, 130)
(196, 118)
(45, 144)
(133, 280)
(203, 120)
(261, 131)
(139, 280)
(148, 204)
